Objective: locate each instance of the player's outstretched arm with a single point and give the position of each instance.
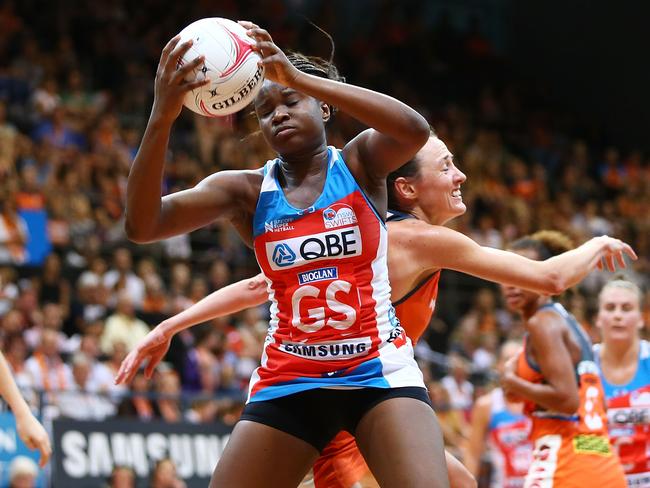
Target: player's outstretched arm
(438, 247)
(397, 131)
(29, 429)
(230, 299)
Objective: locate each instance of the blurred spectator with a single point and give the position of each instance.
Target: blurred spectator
(461, 391)
(168, 388)
(219, 275)
(51, 286)
(8, 143)
(8, 289)
(122, 477)
(112, 364)
(15, 350)
(455, 429)
(23, 472)
(123, 325)
(100, 377)
(89, 303)
(13, 232)
(83, 401)
(179, 286)
(121, 277)
(47, 369)
(13, 322)
(201, 370)
(164, 475)
(46, 98)
(137, 404)
(58, 225)
(51, 319)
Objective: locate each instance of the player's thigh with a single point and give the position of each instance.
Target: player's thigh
(402, 443)
(259, 456)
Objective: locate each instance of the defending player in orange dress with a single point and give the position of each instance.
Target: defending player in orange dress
(423, 195)
(556, 376)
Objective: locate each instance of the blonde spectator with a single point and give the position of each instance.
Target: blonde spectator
(22, 473)
(123, 325)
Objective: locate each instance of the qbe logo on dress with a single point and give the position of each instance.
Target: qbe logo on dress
(338, 215)
(297, 251)
(283, 255)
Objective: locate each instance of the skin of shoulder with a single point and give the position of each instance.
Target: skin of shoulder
(245, 186)
(407, 264)
(415, 250)
(545, 325)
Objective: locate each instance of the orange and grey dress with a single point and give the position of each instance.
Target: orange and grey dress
(571, 451)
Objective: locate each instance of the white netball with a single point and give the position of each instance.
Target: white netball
(230, 65)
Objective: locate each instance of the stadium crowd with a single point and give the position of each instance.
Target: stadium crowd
(75, 295)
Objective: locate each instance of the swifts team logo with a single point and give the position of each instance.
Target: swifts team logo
(338, 215)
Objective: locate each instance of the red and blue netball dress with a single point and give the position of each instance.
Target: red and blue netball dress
(332, 324)
(510, 449)
(628, 418)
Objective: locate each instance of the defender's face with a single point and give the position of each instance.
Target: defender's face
(438, 182)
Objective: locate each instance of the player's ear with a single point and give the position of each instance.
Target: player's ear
(326, 112)
(405, 191)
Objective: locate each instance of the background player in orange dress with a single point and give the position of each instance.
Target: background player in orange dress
(424, 194)
(556, 376)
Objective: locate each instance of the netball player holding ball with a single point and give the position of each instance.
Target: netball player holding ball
(556, 377)
(335, 357)
(624, 361)
(424, 194)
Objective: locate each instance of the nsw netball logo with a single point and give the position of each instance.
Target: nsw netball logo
(283, 255)
(338, 215)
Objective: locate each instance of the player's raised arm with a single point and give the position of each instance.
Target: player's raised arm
(397, 131)
(149, 216)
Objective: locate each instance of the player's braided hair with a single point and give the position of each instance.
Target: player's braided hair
(316, 66)
(547, 243)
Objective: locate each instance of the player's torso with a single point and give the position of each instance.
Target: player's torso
(510, 448)
(628, 413)
(328, 282)
(415, 308)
